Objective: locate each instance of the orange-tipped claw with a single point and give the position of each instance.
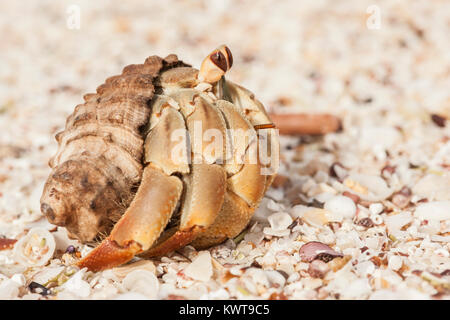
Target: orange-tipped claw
(178, 240)
(109, 254)
(141, 224)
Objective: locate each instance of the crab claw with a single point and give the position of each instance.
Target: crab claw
(141, 224)
(109, 254)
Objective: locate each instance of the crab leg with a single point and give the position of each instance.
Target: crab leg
(204, 195)
(245, 189)
(141, 224)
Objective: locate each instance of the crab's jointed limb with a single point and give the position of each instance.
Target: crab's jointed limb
(141, 224)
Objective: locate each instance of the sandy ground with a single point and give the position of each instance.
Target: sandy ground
(377, 193)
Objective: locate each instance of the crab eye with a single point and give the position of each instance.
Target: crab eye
(230, 57)
(216, 64)
(219, 60)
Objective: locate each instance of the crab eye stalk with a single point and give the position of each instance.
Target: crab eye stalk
(215, 65)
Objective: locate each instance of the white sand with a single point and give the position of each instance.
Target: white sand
(311, 56)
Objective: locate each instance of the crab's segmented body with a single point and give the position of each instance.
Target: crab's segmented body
(151, 129)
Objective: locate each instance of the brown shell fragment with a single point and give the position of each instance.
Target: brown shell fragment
(311, 124)
(6, 244)
(317, 250)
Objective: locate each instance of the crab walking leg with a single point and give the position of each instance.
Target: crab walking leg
(232, 219)
(204, 194)
(301, 123)
(256, 114)
(245, 190)
(141, 224)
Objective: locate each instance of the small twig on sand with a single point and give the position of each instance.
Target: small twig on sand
(307, 124)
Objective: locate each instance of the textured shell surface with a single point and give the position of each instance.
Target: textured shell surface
(128, 124)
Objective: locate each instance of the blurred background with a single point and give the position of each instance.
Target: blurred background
(376, 64)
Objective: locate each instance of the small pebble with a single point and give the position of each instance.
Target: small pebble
(38, 288)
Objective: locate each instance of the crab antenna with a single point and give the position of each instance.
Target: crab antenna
(215, 65)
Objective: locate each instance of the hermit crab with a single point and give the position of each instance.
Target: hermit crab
(161, 156)
(134, 168)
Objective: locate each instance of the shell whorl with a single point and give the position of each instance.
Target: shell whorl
(100, 151)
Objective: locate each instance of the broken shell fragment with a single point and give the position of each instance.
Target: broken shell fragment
(201, 268)
(318, 217)
(318, 269)
(143, 282)
(402, 198)
(6, 244)
(311, 124)
(436, 210)
(123, 271)
(368, 187)
(317, 250)
(279, 221)
(342, 206)
(36, 248)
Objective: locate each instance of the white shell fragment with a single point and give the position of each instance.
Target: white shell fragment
(376, 208)
(437, 210)
(342, 206)
(77, 286)
(395, 262)
(36, 248)
(433, 187)
(368, 187)
(122, 271)
(201, 267)
(143, 282)
(9, 289)
(279, 221)
(397, 221)
(47, 274)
